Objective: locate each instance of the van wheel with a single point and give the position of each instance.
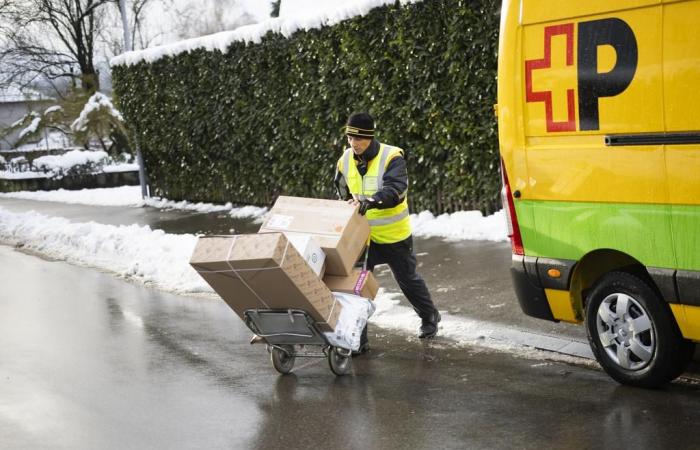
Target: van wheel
(633, 334)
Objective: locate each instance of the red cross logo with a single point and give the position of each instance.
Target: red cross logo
(545, 63)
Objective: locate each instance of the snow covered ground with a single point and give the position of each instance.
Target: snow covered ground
(131, 196)
(457, 226)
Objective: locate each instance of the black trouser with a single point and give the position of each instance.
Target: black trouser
(402, 262)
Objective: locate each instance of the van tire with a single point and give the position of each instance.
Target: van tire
(644, 345)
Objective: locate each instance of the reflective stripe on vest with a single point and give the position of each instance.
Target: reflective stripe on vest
(389, 220)
(387, 225)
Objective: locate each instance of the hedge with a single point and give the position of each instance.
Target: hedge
(266, 119)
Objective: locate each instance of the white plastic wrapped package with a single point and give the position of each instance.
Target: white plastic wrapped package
(352, 320)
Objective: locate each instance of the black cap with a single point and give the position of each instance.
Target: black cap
(360, 125)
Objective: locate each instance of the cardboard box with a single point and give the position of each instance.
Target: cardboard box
(360, 283)
(310, 250)
(263, 271)
(341, 232)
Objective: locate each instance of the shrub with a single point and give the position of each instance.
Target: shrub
(266, 119)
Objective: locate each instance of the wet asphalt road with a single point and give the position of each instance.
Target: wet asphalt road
(90, 361)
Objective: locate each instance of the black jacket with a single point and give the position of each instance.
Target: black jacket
(395, 178)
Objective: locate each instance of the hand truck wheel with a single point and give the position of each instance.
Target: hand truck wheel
(339, 360)
(282, 357)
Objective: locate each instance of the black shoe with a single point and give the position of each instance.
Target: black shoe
(429, 327)
(364, 348)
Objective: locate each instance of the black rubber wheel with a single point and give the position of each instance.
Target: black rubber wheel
(282, 358)
(339, 361)
(633, 334)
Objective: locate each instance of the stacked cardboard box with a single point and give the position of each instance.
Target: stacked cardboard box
(263, 271)
(341, 232)
(266, 271)
(361, 283)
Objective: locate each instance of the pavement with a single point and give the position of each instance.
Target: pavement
(90, 361)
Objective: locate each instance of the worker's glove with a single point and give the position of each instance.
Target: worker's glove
(366, 204)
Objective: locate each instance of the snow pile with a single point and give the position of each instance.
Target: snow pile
(285, 26)
(50, 140)
(72, 162)
(96, 102)
(461, 225)
(120, 167)
(131, 196)
(135, 252)
(31, 128)
(253, 212)
(457, 226)
(52, 109)
(119, 196)
(63, 163)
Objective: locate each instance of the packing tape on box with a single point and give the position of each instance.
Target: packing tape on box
(360, 281)
(235, 272)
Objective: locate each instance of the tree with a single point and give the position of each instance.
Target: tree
(51, 39)
(195, 18)
(276, 8)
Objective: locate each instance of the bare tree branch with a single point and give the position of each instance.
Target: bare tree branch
(49, 39)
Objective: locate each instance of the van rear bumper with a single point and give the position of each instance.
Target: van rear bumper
(530, 293)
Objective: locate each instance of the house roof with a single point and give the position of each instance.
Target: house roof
(14, 94)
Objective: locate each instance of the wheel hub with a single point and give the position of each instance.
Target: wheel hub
(625, 331)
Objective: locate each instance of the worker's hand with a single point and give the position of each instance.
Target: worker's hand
(365, 205)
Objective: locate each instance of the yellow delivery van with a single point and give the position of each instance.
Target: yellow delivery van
(599, 131)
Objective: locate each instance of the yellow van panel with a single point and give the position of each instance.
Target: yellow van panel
(536, 11)
(598, 174)
(688, 319)
(576, 165)
(639, 108)
(681, 52)
(683, 167)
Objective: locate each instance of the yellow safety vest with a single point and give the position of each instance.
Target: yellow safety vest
(387, 225)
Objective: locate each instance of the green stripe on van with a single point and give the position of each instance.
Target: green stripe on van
(569, 230)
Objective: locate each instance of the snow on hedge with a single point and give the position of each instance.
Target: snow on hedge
(285, 26)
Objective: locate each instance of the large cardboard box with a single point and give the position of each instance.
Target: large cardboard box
(263, 271)
(361, 283)
(336, 225)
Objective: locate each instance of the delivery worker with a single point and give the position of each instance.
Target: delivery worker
(373, 175)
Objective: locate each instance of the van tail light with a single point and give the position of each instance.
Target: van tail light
(516, 241)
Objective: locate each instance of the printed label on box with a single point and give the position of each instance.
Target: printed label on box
(279, 221)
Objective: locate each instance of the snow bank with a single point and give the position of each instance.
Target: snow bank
(119, 196)
(285, 26)
(457, 226)
(131, 196)
(461, 225)
(135, 252)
